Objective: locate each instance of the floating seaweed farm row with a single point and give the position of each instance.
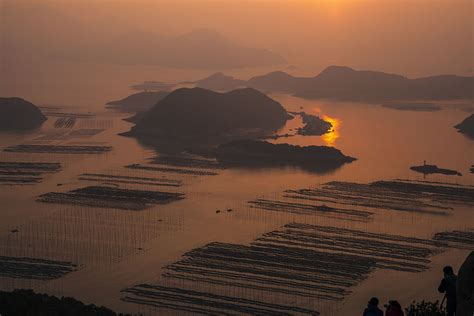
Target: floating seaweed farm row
(85, 132)
(18, 173)
(197, 302)
(66, 133)
(65, 122)
(58, 149)
(457, 238)
(55, 112)
(122, 179)
(298, 260)
(193, 172)
(187, 161)
(310, 209)
(355, 201)
(107, 197)
(32, 268)
(96, 123)
(180, 164)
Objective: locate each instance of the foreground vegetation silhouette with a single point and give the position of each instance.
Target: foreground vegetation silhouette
(27, 302)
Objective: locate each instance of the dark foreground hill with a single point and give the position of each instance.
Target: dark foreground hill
(467, 126)
(344, 83)
(137, 102)
(27, 302)
(17, 114)
(465, 287)
(201, 115)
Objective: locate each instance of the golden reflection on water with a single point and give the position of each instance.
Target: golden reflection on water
(331, 137)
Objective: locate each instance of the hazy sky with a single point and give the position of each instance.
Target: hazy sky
(413, 37)
(409, 37)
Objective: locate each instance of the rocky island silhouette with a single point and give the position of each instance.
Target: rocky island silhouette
(205, 116)
(347, 84)
(466, 127)
(17, 114)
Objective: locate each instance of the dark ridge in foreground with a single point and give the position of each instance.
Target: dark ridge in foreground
(432, 169)
(34, 268)
(101, 196)
(27, 302)
(467, 126)
(141, 101)
(465, 286)
(200, 115)
(261, 153)
(17, 114)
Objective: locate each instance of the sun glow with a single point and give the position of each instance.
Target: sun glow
(331, 137)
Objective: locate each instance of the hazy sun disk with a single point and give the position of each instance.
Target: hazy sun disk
(331, 137)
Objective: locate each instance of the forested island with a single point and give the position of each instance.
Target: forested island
(17, 114)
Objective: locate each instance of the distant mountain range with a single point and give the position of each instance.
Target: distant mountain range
(55, 36)
(344, 83)
(199, 49)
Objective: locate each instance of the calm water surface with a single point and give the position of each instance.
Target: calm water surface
(116, 249)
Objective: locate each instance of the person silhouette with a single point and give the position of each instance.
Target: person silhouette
(394, 309)
(373, 308)
(448, 286)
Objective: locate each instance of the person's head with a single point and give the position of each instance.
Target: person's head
(374, 301)
(448, 270)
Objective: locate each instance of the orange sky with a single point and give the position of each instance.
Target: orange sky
(413, 37)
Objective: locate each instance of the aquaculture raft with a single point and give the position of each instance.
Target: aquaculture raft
(101, 196)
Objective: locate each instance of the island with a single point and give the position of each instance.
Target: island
(467, 126)
(314, 125)
(347, 84)
(138, 102)
(17, 114)
(203, 116)
(220, 82)
(432, 169)
(262, 153)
